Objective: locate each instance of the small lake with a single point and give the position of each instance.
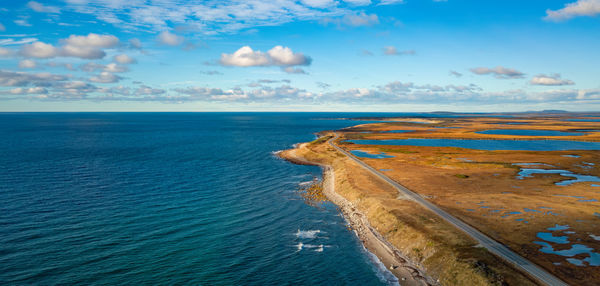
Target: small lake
(585, 119)
(527, 173)
(490, 145)
(363, 154)
(396, 131)
(528, 132)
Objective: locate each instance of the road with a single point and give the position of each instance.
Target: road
(491, 245)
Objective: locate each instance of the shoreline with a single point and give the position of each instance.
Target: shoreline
(407, 272)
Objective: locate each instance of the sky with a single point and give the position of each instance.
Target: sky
(306, 55)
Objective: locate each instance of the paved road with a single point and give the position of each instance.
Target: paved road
(493, 246)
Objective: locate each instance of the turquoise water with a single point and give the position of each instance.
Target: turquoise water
(168, 198)
(362, 154)
(528, 145)
(528, 132)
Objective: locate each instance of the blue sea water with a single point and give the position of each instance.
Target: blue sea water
(168, 198)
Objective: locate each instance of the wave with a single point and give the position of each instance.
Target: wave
(308, 234)
(316, 247)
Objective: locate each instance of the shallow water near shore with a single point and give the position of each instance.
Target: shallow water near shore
(168, 198)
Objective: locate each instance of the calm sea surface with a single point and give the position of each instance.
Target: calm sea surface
(168, 198)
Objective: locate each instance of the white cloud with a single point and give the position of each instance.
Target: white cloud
(30, 90)
(105, 77)
(358, 2)
(124, 59)
(10, 41)
(39, 50)
(319, 3)
(245, 57)
(2, 28)
(498, 72)
(283, 56)
(208, 17)
(390, 2)
(27, 64)
(38, 7)
(10, 78)
(85, 47)
(554, 79)
(360, 19)
(92, 67)
(170, 39)
(576, 9)
(4, 52)
(146, 90)
(277, 56)
(112, 67)
(88, 47)
(92, 40)
(22, 22)
(392, 51)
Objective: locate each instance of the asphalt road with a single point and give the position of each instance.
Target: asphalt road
(491, 245)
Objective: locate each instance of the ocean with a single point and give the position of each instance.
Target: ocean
(169, 198)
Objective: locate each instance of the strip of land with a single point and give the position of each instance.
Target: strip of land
(493, 246)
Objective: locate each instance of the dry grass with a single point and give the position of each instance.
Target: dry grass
(470, 183)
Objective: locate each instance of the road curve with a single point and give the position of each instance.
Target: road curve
(491, 245)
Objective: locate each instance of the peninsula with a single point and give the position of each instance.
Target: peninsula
(487, 200)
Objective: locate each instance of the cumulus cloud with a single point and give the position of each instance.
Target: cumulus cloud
(499, 72)
(85, 47)
(277, 56)
(576, 9)
(39, 7)
(283, 56)
(88, 47)
(39, 50)
(170, 39)
(105, 77)
(124, 59)
(27, 64)
(553, 79)
(392, 51)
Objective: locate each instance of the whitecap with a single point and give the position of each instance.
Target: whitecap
(308, 234)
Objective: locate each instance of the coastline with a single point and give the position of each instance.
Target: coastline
(407, 272)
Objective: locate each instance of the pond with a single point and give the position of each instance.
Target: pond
(363, 154)
(528, 132)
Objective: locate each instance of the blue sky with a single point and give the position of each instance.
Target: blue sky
(308, 55)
